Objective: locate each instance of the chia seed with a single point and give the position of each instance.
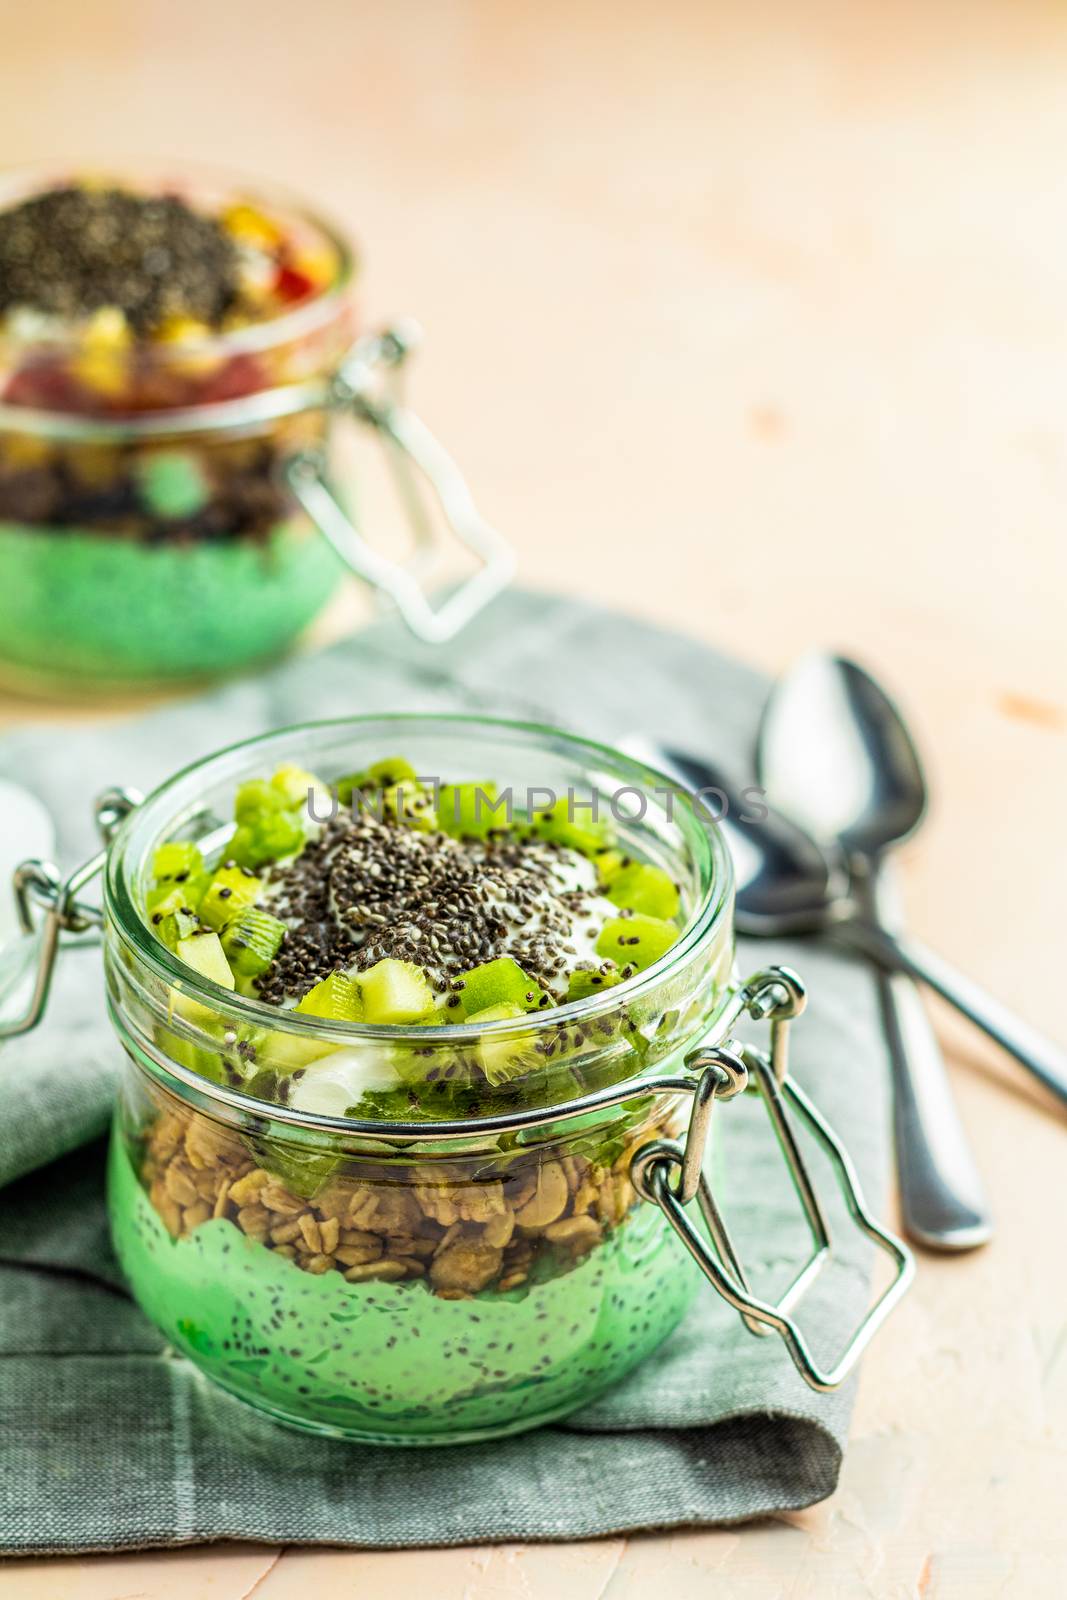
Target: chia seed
(368, 889)
(71, 251)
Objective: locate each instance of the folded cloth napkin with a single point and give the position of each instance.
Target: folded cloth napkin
(111, 1441)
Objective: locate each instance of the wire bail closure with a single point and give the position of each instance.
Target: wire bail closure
(416, 454)
(38, 885)
(715, 1072)
(726, 1070)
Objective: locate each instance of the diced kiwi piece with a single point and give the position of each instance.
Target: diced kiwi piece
(163, 899)
(304, 1172)
(267, 837)
(255, 798)
(285, 1052)
(231, 891)
(379, 775)
(609, 863)
(170, 893)
(208, 1063)
(644, 888)
(638, 940)
(177, 856)
(395, 991)
(583, 983)
(203, 952)
(470, 810)
(291, 783)
(500, 982)
(336, 998)
(564, 824)
(505, 1058)
(175, 926)
(265, 1084)
(180, 877)
(410, 805)
(251, 941)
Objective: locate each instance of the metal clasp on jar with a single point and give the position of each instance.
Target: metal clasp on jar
(39, 887)
(358, 388)
(725, 1070)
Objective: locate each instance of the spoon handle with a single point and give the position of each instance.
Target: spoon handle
(941, 1199)
(1032, 1049)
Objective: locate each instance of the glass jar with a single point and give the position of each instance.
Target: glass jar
(493, 1261)
(162, 500)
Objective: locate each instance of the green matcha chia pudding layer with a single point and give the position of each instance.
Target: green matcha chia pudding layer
(107, 607)
(357, 1001)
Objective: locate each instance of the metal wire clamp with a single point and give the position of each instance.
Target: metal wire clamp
(416, 454)
(38, 886)
(727, 1070)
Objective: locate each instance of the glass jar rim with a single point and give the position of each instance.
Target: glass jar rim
(272, 332)
(141, 830)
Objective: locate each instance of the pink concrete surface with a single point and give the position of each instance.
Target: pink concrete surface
(750, 319)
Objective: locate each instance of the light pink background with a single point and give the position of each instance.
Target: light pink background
(752, 319)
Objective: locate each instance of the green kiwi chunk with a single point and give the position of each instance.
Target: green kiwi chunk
(609, 863)
(175, 925)
(269, 817)
(644, 888)
(171, 893)
(164, 898)
(385, 774)
(255, 798)
(208, 1063)
(583, 983)
(232, 890)
(505, 1058)
(203, 952)
(251, 941)
(336, 998)
(268, 837)
(559, 825)
(175, 857)
(304, 1172)
(180, 878)
(470, 810)
(500, 982)
(636, 940)
(410, 806)
(395, 991)
(292, 785)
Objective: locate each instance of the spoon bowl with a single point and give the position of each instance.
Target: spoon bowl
(866, 790)
(784, 882)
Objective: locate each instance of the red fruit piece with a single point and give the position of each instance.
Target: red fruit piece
(239, 376)
(46, 386)
(292, 285)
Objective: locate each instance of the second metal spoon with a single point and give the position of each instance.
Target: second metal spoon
(834, 754)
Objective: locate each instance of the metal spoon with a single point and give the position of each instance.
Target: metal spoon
(819, 899)
(834, 754)
(786, 884)
(870, 790)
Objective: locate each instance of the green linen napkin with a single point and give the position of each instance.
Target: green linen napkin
(111, 1441)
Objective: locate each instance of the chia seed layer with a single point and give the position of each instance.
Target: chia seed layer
(368, 890)
(68, 252)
